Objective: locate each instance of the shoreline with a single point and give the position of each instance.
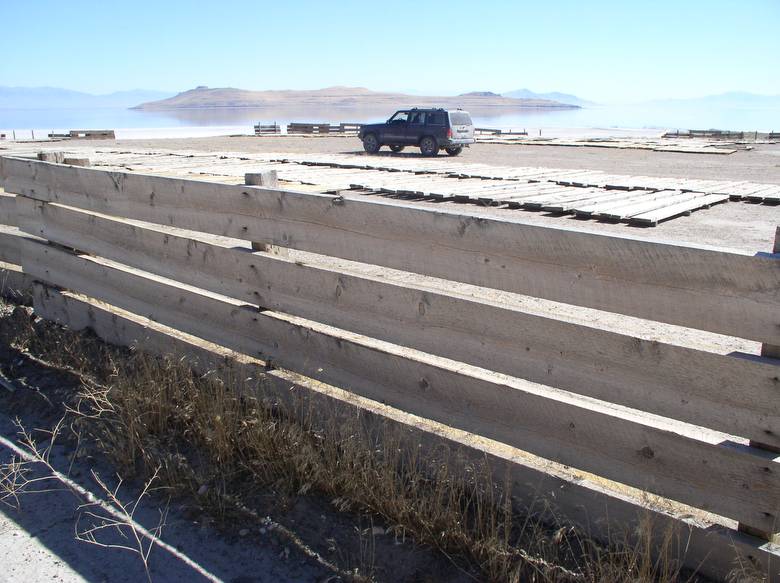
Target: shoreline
(226, 131)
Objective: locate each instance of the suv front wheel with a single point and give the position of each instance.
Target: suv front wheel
(371, 143)
(428, 146)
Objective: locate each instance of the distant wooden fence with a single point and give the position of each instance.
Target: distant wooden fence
(499, 132)
(86, 135)
(261, 130)
(712, 134)
(754, 136)
(322, 128)
(695, 426)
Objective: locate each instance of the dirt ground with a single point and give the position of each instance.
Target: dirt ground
(745, 227)
(762, 164)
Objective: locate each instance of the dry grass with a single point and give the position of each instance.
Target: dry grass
(222, 431)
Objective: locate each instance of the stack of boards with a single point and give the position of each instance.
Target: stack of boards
(641, 200)
(637, 200)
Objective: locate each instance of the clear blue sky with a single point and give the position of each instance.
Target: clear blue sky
(602, 50)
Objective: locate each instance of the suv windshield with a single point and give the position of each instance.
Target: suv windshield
(460, 118)
(399, 117)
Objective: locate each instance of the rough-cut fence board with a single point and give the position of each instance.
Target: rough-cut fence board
(711, 551)
(681, 383)
(572, 430)
(702, 288)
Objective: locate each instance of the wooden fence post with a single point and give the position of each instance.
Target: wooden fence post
(771, 351)
(76, 161)
(56, 157)
(268, 179)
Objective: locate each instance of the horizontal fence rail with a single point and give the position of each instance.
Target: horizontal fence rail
(711, 290)
(682, 383)
(551, 424)
(686, 423)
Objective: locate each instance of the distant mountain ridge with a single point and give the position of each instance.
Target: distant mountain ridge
(353, 97)
(55, 98)
(567, 98)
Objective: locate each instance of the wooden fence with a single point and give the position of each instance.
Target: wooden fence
(695, 426)
(86, 135)
(261, 130)
(322, 128)
(499, 132)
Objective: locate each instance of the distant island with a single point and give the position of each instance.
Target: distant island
(342, 97)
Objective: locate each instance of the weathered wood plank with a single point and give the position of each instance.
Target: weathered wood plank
(655, 201)
(666, 212)
(603, 514)
(554, 424)
(768, 349)
(697, 287)
(608, 202)
(729, 394)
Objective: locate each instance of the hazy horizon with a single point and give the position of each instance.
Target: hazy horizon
(606, 51)
(670, 97)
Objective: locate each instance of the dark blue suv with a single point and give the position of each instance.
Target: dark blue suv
(429, 129)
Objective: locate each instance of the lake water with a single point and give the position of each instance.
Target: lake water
(643, 119)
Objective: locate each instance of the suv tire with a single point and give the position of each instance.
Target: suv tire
(371, 143)
(428, 146)
(454, 151)
(396, 149)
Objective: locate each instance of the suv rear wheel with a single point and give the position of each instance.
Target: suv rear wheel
(454, 151)
(371, 143)
(428, 146)
(396, 148)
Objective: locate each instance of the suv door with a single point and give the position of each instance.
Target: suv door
(395, 128)
(415, 129)
(436, 123)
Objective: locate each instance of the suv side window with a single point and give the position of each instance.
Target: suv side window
(436, 118)
(417, 117)
(399, 117)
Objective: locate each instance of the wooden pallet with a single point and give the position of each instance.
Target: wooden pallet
(638, 200)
